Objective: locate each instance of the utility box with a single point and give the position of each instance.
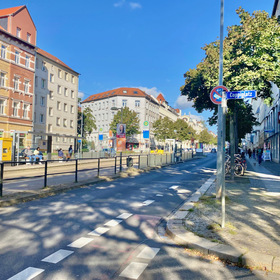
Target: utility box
(6, 149)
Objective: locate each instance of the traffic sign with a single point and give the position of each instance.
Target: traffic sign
(146, 134)
(241, 94)
(216, 94)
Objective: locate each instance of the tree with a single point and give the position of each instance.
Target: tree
(205, 137)
(128, 117)
(251, 59)
(183, 131)
(88, 121)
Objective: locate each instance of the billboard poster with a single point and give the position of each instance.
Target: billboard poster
(121, 130)
(121, 144)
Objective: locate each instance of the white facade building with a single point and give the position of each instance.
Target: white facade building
(56, 102)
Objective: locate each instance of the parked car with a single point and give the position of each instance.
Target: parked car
(213, 150)
(109, 152)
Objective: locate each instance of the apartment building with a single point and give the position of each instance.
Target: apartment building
(165, 110)
(17, 68)
(146, 107)
(56, 101)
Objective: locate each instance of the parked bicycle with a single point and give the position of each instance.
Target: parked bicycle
(240, 165)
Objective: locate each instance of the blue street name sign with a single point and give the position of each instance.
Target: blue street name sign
(241, 94)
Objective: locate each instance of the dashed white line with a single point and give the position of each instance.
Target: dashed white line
(174, 187)
(27, 274)
(81, 242)
(159, 195)
(148, 253)
(124, 216)
(98, 231)
(113, 223)
(148, 202)
(134, 270)
(57, 256)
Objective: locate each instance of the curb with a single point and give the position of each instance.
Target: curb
(176, 230)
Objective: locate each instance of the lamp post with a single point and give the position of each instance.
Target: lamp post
(116, 109)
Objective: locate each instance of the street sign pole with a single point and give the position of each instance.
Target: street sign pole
(220, 183)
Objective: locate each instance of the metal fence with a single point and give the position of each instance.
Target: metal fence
(15, 171)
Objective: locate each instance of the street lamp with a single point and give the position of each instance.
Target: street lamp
(116, 109)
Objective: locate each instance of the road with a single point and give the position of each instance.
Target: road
(113, 230)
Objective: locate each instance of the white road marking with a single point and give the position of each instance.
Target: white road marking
(174, 187)
(134, 270)
(27, 274)
(113, 223)
(159, 195)
(148, 202)
(148, 253)
(81, 242)
(99, 231)
(57, 256)
(124, 216)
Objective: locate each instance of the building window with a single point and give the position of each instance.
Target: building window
(28, 37)
(65, 107)
(59, 89)
(16, 83)
(137, 103)
(27, 61)
(42, 101)
(58, 105)
(71, 123)
(2, 106)
(72, 109)
(2, 79)
(17, 57)
(64, 122)
(18, 32)
(25, 111)
(51, 94)
(50, 111)
(66, 91)
(43, 85)
(26, 86)
(15, 109)
(59, 73)
(44, 68)
(72, 94)
(41, 118)
(50, 127)
(3, 51)
(66, 76)
(51, 78)
(124, 103)
(58, 121)
(73, 79)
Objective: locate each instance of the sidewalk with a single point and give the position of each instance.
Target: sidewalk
(251, 236)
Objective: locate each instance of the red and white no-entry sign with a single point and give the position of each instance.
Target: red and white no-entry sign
(216, 94)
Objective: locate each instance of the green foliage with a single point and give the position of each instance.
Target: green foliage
(164, 128)
(128, 117)
(205, 137)
(251, 61)
(88, 121)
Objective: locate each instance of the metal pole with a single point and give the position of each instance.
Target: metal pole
(46, 174)
(120, 161)
(139, 157)
(76, 171)
(98, 167)
(116, 165)
(1, 178)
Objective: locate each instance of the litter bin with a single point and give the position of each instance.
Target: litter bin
(129, 162)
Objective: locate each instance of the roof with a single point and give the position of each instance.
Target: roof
(52, 57)
(124, 91)
(10, 11)
(160, 98)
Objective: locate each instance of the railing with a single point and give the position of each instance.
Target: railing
(15, 171)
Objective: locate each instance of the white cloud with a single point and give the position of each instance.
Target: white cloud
(81, 95)
(134, 5)
(151, 91)
(119, 4)
(182, 102)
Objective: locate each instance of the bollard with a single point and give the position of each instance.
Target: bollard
(46, 174)
(76, 171)
(116, 165)
(98, 167)
(1, 178)
(139, 162)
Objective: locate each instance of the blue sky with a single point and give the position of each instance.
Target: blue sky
(148, 44)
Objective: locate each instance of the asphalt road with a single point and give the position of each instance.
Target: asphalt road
(113, 230)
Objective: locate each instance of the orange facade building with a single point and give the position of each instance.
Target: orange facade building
(17, 72)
